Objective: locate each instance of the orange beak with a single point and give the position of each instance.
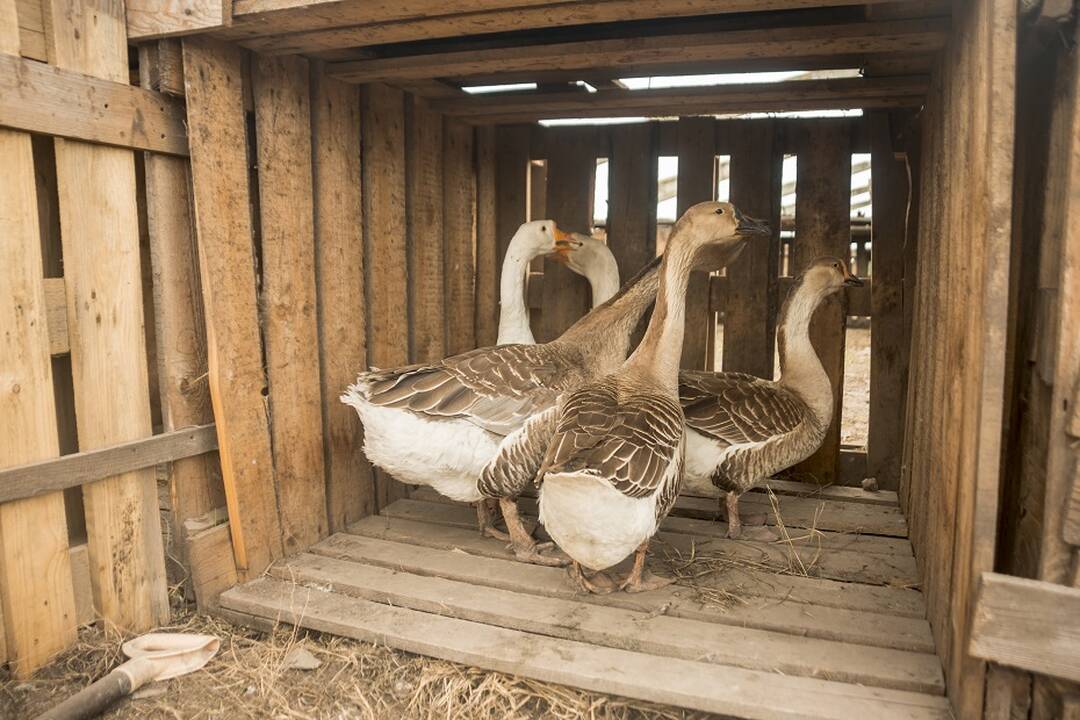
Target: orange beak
(851, 280)
(564, 245)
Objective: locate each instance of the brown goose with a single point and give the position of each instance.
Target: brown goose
(742, 429)
(439, 424)
(611, 470)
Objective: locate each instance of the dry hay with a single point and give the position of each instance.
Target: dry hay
(249, 678)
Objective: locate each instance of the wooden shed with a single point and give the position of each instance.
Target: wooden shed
(214, 214)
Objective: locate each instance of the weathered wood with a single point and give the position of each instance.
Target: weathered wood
(1027, 624)
(487, 241)
(512, 145)
(56, 315)
(619, 628)
(339, 244)
(650, 53)
(674, 681)
(97, 196)
(696, 183)
(67, 103)
(212, 568)
(459, 179)
(219, 168)
(81, 585)
(385, 245)
(37, 606)
(170, 67)
(752, 302)
(571, 175)
(822, 217)
(149, 19)
(286, 208)
(76, 469)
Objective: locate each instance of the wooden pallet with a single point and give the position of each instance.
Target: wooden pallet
(846, 638)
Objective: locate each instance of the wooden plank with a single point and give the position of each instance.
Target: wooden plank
(696, 183)
(213, 570)
(823, 203)
(102, 269)
(511, 173)
(37, 478)
(150, 19)
(649, 54)
(67, 103)
(219, 167)
(751, 305)
(56, 316)
(571, 174)
(830, 492)
(1027, 624)
(487, 241)
(385, 246)
(170, 67)
(339, 243)
(619, 628)
(81, 585)
(424, 187)
(286, 208)
(459, 179)
(887, 368)
(727, 690)
(37, 606)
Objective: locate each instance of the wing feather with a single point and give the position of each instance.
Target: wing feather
(738, 408)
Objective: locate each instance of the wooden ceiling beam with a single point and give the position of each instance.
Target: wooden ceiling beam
(656, 52)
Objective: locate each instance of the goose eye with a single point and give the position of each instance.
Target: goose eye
(719, 211)
(543, 228)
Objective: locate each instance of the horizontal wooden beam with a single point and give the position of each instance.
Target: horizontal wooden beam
(79, 468)
(152, 19)
(827, 94)
(634, 54)
(1027, 624)
(45, 99)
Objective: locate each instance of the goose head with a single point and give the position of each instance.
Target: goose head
(591, 258)
(827, 275)
(537, 238)
(714, 233)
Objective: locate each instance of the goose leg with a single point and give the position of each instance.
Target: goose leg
(485, 518)
(525, 548)
(734, 525)
(598, 584)
(634, 582)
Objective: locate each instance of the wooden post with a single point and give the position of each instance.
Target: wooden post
(571, 174)
(339, 244)
(383, 132)
(487, 271)
(37, 604)
(696, 183)
(887, 367)
(213, 85)
(100, 224)
(424, 217)
(823, 227)
(459, 179)
(752, 280)
(511, 171)
(286, 208)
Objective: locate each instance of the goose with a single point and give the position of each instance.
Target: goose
(584, 254)
(611, 451)
(439, 424)
(742, 429)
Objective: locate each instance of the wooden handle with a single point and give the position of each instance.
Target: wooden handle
(93, 700)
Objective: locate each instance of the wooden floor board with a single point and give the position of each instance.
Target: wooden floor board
(674, 681)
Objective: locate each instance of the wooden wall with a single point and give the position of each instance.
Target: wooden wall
(956, 389)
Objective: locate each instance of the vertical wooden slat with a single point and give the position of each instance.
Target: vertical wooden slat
(339, 243)
(823, 227)
(383, 132)
(751, 307)
(99, 218)
(286, 207)
(511, 171)
(213, 85)
(487, 271)
(571, 173)
(459, 179)
(37, 605)
(696, 183)
(887, 369)
(424, 217)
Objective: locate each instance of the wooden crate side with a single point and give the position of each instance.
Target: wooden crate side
(571, 174)
(424, 187)
(487, 243)
(286, 208)
(339, 243)
(98, 214)
(823, 227)
(696, 183)
(752, 292)
(385, 246)
(213, 84)
(459, 179)
(511, 171)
